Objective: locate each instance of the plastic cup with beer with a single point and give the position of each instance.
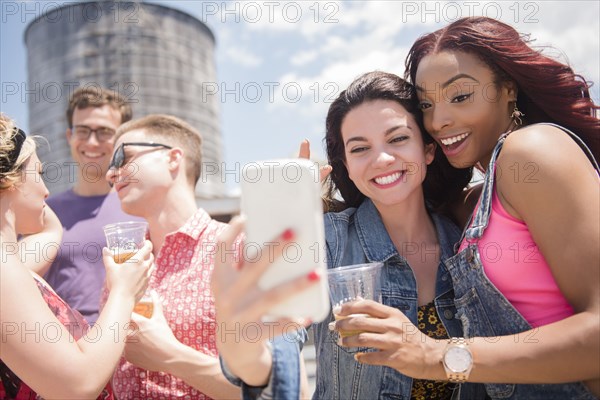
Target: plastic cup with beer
(354, 282)
(124, 239)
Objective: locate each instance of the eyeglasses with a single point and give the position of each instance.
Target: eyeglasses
(83, 132)
(118, 158)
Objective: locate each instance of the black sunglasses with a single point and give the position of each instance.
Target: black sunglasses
(118, 158)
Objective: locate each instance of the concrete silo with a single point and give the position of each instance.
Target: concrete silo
(159, 58)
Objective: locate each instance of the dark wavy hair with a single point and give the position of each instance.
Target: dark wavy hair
(443, 183)
(548, 91)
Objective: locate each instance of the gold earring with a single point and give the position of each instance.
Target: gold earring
(517, 116)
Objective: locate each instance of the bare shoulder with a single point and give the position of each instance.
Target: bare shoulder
(543, 162)
(542, 144)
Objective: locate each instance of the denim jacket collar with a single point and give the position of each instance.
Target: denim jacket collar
(376, 242)
(373, 236)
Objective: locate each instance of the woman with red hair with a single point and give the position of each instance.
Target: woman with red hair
(526, 277)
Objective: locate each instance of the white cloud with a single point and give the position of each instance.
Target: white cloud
(242, 56)
(303, 58)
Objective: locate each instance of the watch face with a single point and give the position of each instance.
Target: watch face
(458, 359)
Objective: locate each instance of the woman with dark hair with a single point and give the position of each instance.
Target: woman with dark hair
(527, 271)
(443, 186)
(381, 160)
(47, 348)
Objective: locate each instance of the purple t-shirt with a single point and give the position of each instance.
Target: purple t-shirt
(77, 274)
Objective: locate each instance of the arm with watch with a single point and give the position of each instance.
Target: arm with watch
(400, 345)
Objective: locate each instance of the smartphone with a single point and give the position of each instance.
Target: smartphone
(286, 194)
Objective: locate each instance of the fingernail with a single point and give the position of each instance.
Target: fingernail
(288, 234)
(331, 326)
(313, 275)
(337, 309)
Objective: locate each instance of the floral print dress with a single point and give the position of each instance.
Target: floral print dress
(11, 386)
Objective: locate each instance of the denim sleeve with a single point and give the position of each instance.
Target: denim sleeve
(284, 382)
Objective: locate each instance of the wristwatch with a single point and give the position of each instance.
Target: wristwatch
(457, 360)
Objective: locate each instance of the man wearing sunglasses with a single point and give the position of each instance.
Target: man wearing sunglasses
(173, 354)
(77, 273)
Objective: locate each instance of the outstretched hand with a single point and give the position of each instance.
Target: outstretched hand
(241, 305)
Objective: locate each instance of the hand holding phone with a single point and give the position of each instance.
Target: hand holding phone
(286, 194)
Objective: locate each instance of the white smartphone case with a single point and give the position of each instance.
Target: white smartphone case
(286, 194)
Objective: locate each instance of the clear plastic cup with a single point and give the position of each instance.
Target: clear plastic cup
(124, 239)
(354, 282)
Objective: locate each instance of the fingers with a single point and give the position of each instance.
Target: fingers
(374, 309)
(372, 358)
(366, 339)
(157, 311)
(233, 230)
(107, 257)
(143, 254)
(262, 304)
(146, 249)
(225, 263)
(151, 269)
(324, 172)
(137, 319)
(250, 273)
(224, 259)
(361, 323)
(304, 149)
(304, 152)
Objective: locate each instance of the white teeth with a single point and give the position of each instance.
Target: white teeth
(386, 180)
(92, 155)
(454, 139)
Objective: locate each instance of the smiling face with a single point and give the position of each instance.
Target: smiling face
(30, 198)
(385, 154)
(144, 176)
(91, 154)
(464, 109)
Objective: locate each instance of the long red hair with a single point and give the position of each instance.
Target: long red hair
(549, 91)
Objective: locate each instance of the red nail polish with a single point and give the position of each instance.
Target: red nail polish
(288, 234)
(313, 276)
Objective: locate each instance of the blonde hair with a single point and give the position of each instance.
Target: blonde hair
(8, 130)
(175, 132)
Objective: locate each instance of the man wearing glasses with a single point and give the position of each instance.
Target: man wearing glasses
(77, 273)
(173, 354)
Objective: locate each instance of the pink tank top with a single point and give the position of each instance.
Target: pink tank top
(514, 264)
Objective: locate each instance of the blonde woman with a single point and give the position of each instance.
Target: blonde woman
(48, 349)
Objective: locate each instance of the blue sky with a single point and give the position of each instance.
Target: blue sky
(286, 61)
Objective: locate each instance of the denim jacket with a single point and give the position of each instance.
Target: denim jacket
(353, 236)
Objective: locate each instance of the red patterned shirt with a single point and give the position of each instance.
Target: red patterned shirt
(182, 278)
